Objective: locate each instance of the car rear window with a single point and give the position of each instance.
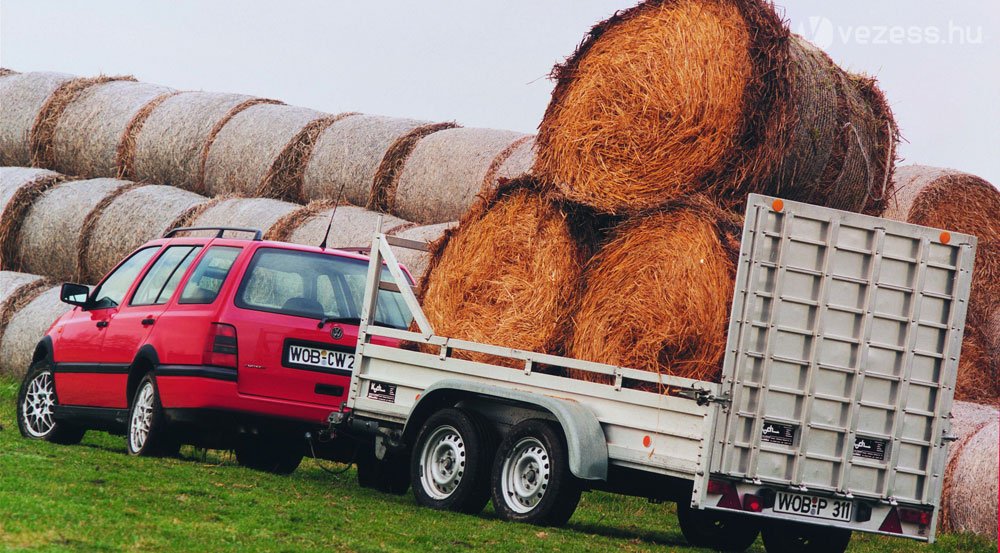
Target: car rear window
(315, 285)
(209, 275)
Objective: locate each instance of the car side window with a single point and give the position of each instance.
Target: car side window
(112, 290)
(164, 276)
(209, 275)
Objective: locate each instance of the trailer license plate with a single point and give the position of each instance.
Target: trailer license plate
(318, 357)
(811, 506)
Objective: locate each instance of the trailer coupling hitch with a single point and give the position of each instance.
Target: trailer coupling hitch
(704, 397)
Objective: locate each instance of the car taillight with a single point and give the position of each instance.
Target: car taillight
(915, 516)
(220, 348)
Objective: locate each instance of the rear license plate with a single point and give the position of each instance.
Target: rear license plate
(813, 506)
(311, 357)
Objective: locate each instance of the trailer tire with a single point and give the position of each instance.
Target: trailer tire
(716, 530)
(531, 478)
(451, 461)
(791, 537)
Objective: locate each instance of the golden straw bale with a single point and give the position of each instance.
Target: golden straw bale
(21, 98)
(91, 129)
(352, 226)
(53, 227)
(251, 154)
(657, 295)
(446, 170)
(348, 154)
(256, 213)
(508, 273)
(128, 221)
(19, 188)
(973, 481)
(26, 327)
(967, 419)
(169, 145)
(674, 97)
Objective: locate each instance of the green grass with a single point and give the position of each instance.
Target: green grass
(93, 497)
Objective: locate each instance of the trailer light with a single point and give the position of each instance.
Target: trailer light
(752, 503)
(730, 497)
(915, 516)
(891, 523)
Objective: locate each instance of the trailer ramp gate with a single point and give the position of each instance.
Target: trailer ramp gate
(842, 353)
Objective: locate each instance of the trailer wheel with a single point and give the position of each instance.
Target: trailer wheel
(791, 537)
(531, 478)
(450, 465)
(715, 529)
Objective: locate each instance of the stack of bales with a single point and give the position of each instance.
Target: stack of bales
(660, 124)
(23, 96)
(29, 304)
(949, 199)
(971, 480)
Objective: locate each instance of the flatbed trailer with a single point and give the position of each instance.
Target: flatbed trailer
(832, 414)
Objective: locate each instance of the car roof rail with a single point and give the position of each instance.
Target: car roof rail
(257, 234)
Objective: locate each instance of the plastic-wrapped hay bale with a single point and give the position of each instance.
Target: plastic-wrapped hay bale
(674, 97)
(51, 230)
(169, 146)
(969, 494)
(26, 327)
(507, 275)
(129, 220)
(414, 260)
(255, 213)
(352, 226)
(21, 98)
(19, 188)
(263, 150)
(445, 172)
(91, 129)
(657, 296)
(349, 153)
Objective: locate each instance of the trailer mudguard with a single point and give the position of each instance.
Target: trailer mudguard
(585, 441)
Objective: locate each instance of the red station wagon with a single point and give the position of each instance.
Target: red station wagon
(218, 342)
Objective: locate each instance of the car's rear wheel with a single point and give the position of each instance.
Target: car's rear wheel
(269, 454)
(36, 402)
(148, 433)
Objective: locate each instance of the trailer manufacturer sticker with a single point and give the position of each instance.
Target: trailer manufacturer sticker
(870, 448)
(381, 391)
(783, 434)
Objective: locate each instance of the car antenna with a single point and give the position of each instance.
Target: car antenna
(326, 236)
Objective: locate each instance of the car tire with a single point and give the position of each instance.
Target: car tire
(147, 432)
(716, 530)
(451, 461)
(274, 455)
(531, 480)
(790, 537)
(35, 401)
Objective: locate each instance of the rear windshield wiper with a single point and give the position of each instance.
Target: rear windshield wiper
(342, 320)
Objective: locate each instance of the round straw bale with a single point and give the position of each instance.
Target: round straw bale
(10, 282)
(352, 226)
(414, 260)
(250, 149)
(26, 327)
(513, 162)
(4, 71)
(91, 129)
(386, 176)
(19, 188)
(657, 295)
(255, 213)
(348, 154)
(674, 97)
(445, 172)
(129, 220)
(169, 145)
(508, 273)
(977, 371)
(21, 98)
(52, 228)
(41, 139)
(16, 291)
(972, 482)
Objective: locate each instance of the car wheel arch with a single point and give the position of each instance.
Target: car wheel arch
(146, 360)
(43, 351)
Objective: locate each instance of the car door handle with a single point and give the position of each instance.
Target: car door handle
(148, 321)
(102, 324)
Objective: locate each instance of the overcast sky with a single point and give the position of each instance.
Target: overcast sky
(485, 63)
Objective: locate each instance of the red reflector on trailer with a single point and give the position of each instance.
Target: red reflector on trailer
(717, 487)
(891, 523)
(752, 503)
(915, 516)
(730, 498)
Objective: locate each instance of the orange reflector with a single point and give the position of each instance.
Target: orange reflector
(945, 237)
(646, 440)
(778, 205)
(417, 398)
